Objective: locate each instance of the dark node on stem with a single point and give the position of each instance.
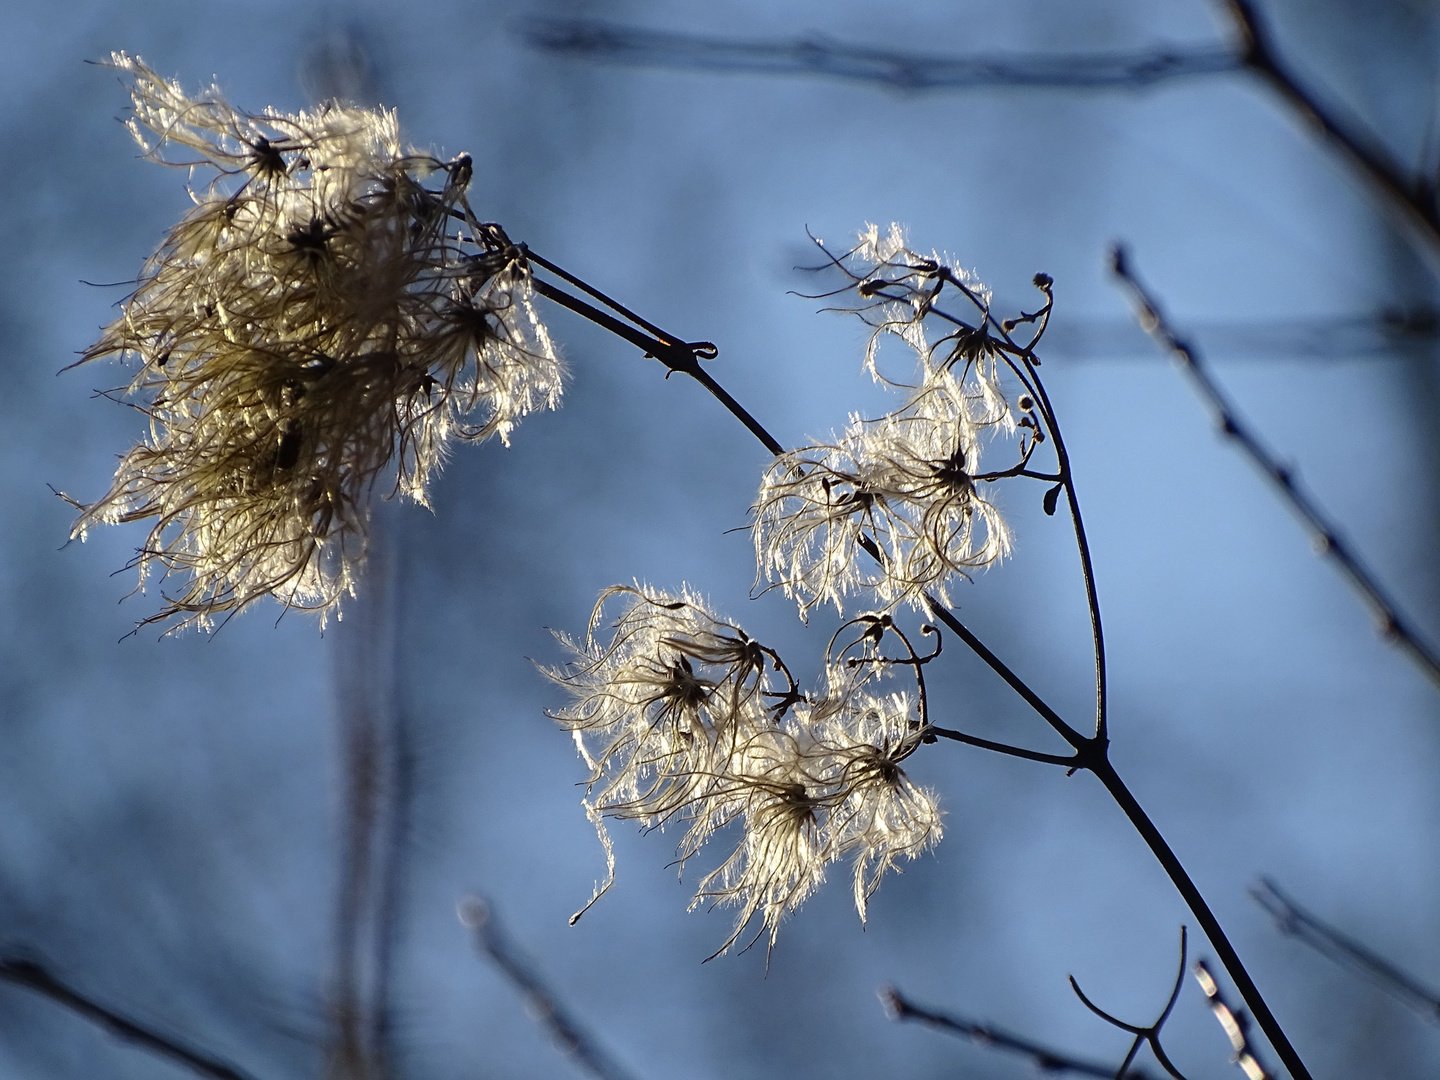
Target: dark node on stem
(268, 159)
(1052, 497)
(1043, 281)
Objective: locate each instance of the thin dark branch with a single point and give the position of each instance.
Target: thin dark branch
(570, 1036)
(814, 55)
(1042, 1057)
(1412, 198)
(1294, 921)
(1080, 742)
(32, 976)
(1233, 1023)
(671, 351)
(1326, 536)
(1069, 761)
(1149, 1034)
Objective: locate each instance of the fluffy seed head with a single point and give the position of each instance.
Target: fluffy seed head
(313, 326)
(684, 718)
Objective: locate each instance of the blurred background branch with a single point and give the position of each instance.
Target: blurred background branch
(606, 42)
(569, 1035)
(1324, 533)
(19, 971)
(1294, 921)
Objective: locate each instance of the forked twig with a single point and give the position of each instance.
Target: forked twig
(1326, 536)
(1234, 1025)
(569, 1034)
(1150, 1034)
(1048, 1061)
(1294, 921)
(20, 971)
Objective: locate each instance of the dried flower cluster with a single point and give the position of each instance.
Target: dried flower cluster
(683, 718)
(893, 507)
(310, 328)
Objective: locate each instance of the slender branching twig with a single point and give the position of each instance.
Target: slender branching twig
(1233, 1023)
(1294, 921)
(814, 55)
(20, 971)
(1048, 1061)
(1326, 536)
(1149, 1034)
(1091, 752)
(568, 1033)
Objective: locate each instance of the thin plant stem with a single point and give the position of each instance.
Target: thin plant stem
(1091, 752)
(1325, 534)
(1047, 1061)
(1067, 760)
(32, 976)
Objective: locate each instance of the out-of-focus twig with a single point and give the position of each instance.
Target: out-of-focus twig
(20, 971)
(898, 70)
(1294, 921)
(1412, 197)
(1394, 626)
(1051, 1062)
(1150, 1033)
(569, 1034)
(1233, 1023)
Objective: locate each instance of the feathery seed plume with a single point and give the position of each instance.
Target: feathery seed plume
(312, 327)
(683, 717)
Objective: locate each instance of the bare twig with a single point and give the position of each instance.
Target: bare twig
(1294, 921)
(568, 1033)
(1324, 533)
(1046, 1060)
(1233, 1024)
(1412, 197)
(1149, 1034)
(816, 55)
(32, 976)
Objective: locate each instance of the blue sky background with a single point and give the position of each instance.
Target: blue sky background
(170, 810)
